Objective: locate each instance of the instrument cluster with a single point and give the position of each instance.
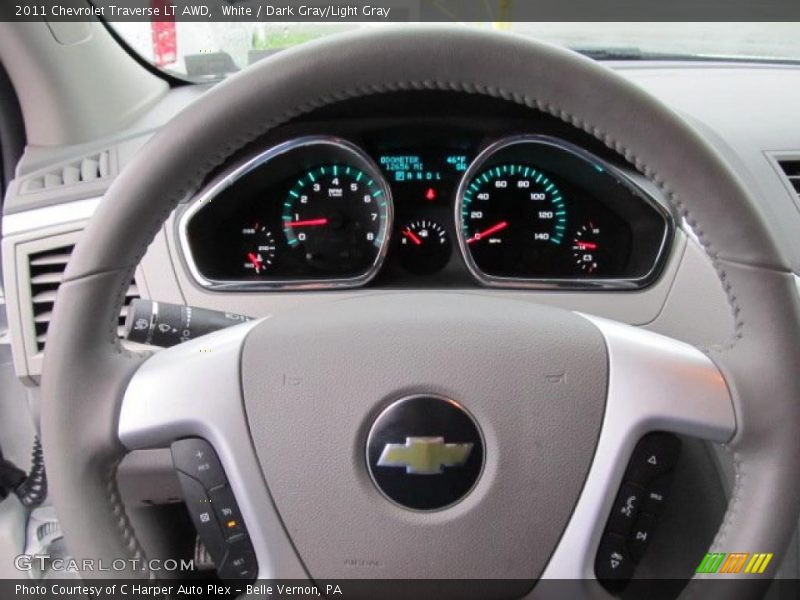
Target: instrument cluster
(435, 209)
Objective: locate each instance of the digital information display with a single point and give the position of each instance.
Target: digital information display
(422, 167)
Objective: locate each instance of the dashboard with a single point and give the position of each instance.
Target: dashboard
(455, 201)
(417, 132)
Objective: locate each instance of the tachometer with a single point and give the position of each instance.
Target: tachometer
(311, 212)
(336, 215)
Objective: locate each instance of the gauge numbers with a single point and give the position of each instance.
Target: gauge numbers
(586, 248)
(258, 249)
(337, 216)
(512, 218)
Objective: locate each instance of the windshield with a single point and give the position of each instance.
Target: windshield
(208, 51)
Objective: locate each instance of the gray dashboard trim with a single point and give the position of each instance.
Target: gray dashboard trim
(57, 214)
(775, 158)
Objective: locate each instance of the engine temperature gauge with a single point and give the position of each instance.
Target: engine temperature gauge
(424, 246)
(258, 248)
(586, 248)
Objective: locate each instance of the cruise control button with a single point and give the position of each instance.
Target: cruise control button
(656, 495)
(196, 458)
(625, 509)
(654, 455)
(202, 514)
(613, 565)
(227, 512)
(640, 535)
(240, 563)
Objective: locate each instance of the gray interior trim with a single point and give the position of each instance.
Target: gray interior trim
(37, 218)
(775, 158)
(16, 252)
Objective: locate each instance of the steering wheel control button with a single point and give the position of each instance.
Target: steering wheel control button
(626, 508)
(202, 513)
(657, 493)
(196, 458)
(240, 562)
(227, 513)
(655, 454)
(213, 509)
(613, 566)
(640, 535)
(425, 452)
(634, 515)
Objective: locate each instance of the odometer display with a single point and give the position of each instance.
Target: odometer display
(513, 220)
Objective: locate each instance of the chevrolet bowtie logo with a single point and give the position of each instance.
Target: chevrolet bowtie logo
(424, 455)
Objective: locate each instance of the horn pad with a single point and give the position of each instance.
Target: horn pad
(425, 452)
(532, 378)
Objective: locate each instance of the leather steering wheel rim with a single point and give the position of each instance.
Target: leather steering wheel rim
(86, 370)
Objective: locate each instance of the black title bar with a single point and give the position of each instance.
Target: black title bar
(401, 11)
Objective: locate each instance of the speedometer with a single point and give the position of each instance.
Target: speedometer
(513, 218)
(511, 205)
(530, 209)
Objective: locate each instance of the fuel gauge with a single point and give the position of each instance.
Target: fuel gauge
(424, 247)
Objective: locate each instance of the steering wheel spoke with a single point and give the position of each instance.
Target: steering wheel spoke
(194, 391)
(655, 383)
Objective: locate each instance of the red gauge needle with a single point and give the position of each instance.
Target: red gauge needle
(586, 245)
(308, 223)
(257, 262)
(412, 236)
(493, 229)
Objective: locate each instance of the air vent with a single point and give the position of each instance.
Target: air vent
(791, 169)
(91, 168)
(46, 272)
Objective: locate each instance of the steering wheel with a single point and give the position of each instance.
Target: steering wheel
(288, 402)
